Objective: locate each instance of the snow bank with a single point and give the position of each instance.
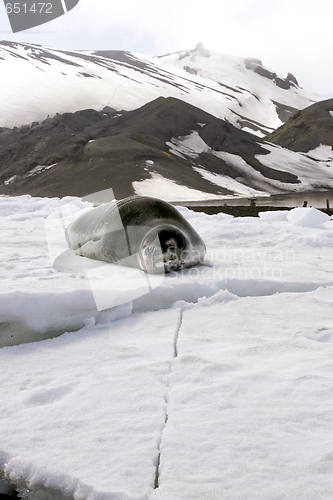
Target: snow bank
(216, 384)
(299, 164)
(321, 152)
(169, 190)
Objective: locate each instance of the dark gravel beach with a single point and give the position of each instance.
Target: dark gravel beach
(244, 211)
(251, 207)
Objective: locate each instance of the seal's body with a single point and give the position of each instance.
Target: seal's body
(138, 231)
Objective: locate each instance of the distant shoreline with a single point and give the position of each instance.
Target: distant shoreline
(251, 206)
(244, 210)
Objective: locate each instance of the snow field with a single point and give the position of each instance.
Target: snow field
(87, 409)
(248, 405)
(217, 384)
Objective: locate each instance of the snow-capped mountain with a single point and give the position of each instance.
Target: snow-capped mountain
(37, 82)
(185, 126)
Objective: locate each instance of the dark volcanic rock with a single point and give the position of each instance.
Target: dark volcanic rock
(283, 83)
(87, 151)
(53, 140)
(307, 129)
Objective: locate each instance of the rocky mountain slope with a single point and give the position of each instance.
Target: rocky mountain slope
(310, 130)
(166, 148)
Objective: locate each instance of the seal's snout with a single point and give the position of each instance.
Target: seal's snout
(173, 256)
(174, 246)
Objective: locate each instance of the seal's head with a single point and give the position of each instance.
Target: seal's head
(167, 249)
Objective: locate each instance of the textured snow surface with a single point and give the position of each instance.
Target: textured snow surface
(94, 399)
(217, 384)
(248, 400)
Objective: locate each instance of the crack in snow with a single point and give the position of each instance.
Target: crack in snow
(177, 333)
(175, 355)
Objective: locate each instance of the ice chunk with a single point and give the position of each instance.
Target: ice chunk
(307, 216)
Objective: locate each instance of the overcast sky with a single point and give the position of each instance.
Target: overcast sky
(287, 35)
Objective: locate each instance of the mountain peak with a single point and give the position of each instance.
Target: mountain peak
(201, 49)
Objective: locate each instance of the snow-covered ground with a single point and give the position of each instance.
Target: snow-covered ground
(216, 384)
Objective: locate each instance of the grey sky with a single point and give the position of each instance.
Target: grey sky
(287, 35)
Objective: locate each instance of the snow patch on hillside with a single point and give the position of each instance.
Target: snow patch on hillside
(310, 169)
(191, 145)
(322, 153)
(312, 175)
(169, 190)
(229, 183)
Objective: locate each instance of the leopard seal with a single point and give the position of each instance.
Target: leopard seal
(139, 231)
